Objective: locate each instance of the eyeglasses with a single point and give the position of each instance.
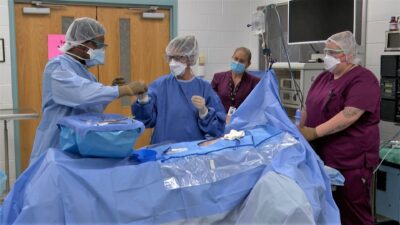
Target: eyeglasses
(99, 44)
(178, 58)
(332, 51)
(242, 61)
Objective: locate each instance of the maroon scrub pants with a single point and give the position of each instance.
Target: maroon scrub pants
(353, 199)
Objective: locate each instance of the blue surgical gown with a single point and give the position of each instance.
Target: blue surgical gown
(68, 89)
(171, 112)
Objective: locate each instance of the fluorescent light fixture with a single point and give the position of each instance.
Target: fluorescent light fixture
(35, 10)
(153, 15)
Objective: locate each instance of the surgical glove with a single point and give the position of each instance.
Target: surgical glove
(143, 98)
(137, 87)
(309, 133)
(200, 104)
(133, 88)
(118, 81)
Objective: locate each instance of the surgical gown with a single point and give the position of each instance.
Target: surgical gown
(68, 89)
(171, 112)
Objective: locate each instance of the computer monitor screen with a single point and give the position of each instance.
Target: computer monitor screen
(313, 21)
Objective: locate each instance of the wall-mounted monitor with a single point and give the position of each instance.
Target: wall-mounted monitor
(313, 21)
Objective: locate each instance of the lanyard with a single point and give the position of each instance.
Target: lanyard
(328, 98)
(233, 91)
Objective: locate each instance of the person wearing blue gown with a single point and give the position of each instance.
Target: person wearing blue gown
(180, 106)
(68, 86)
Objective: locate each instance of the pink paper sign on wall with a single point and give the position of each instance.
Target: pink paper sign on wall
(54, 41)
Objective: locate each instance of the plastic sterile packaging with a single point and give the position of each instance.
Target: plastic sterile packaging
(102, 135)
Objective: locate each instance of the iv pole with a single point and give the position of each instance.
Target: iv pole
(258, 26)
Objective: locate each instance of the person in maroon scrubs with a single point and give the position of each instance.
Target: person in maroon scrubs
(234, 85)
(340, 120)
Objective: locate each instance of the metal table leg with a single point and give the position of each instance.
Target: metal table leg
(6, 156)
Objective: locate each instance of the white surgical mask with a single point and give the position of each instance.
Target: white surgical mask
(177, 68)
(330, 62)
(96, 57)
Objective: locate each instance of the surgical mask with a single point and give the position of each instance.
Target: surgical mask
(330, 62)
(96, 57)
(237, 67)
(177, 68)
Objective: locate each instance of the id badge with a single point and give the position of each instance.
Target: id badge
(231, 110)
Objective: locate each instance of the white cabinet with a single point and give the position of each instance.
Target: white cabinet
(304, 74)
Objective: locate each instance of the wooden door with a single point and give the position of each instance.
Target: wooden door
(145, 60)
(136, 51)
(31, 41)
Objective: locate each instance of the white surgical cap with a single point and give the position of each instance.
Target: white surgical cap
(346, 41)
(81, 30)
(184, 46)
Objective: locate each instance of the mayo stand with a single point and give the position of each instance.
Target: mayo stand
(13, 114)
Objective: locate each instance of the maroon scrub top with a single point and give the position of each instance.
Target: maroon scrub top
(222, 85)
(358, 145)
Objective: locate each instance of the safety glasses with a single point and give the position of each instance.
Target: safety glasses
(177, 58)
(332, 51)
(99, 44)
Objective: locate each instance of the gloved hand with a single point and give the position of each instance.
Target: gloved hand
(118, 81)
(137, 87)
(309, 133)
(143, 98)
(133, 88)
(200, 104)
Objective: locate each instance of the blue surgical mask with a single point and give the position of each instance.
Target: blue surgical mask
(237, 67)
(96, 57)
